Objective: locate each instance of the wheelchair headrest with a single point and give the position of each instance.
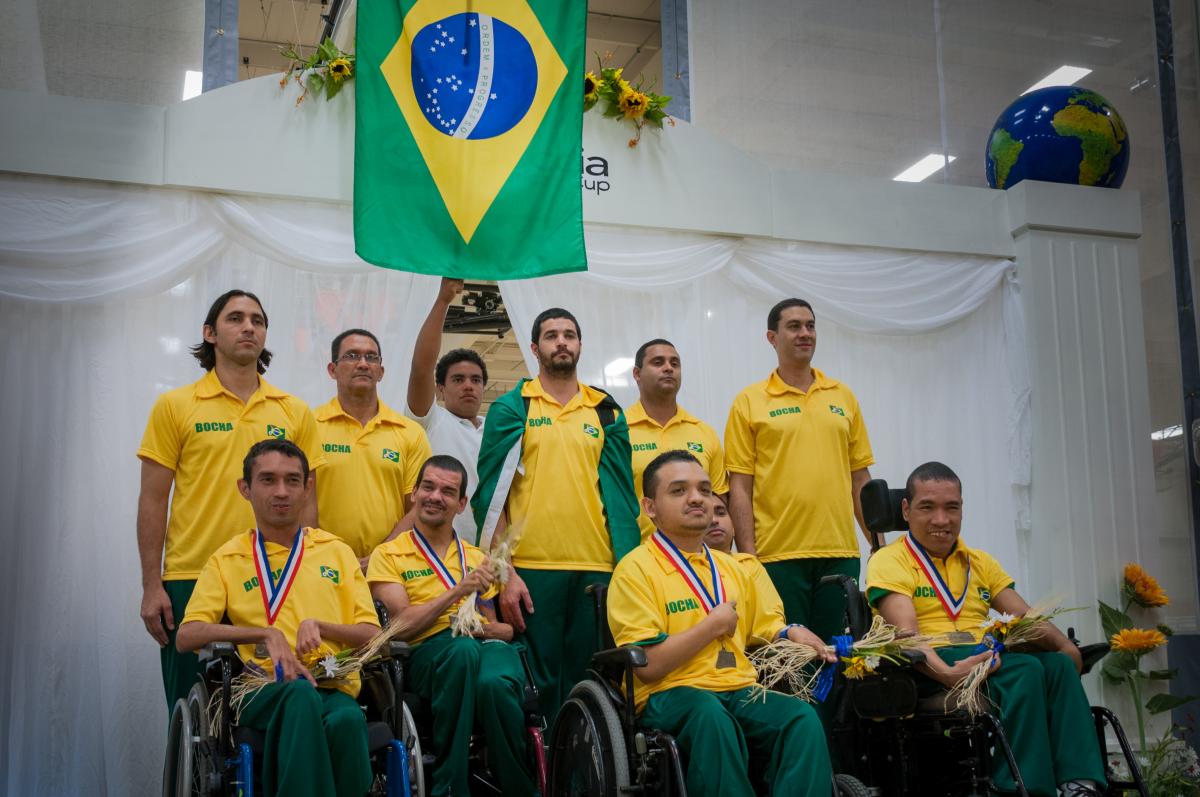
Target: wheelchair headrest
(881, 507)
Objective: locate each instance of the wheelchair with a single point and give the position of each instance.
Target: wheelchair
(901, 743)
(209, 755)
(597, 746)
(483, 781)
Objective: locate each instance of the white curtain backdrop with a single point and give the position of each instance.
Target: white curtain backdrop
(103, 288)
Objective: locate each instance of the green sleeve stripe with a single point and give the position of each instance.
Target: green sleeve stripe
(875, 594)
(652, 641)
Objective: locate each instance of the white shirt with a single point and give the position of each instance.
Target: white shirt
(459, 438)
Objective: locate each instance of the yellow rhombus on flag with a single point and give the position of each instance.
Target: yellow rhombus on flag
(469, 123)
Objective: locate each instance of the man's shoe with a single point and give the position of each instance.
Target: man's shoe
(1081, 788)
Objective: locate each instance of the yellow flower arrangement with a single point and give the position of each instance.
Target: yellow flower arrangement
(1137, 641)
(859, 667)
(340, 69)
(624, 101)
(324, 71)
(1142, 588)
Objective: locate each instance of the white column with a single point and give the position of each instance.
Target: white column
(1093, 503)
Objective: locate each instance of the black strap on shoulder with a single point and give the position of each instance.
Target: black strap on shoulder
(607, 409)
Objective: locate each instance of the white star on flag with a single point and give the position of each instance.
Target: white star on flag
(472, 23)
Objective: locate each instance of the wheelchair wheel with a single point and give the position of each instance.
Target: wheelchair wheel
(587, 747)
(179, 755)
(849, 786)
(412, 744)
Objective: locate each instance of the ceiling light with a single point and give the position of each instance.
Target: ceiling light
(928, 165)
(1063, 76)
(193, 84)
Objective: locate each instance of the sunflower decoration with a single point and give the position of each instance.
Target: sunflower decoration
(324, 71)
(1138, 641)
(591, 87)
(340, 69)
(624, 101)
(1142, 588)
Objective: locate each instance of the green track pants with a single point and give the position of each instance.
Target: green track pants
(1046, 718)
(560, 635)
(316, 740)
(728, 735)
(798, 582)
(179, 670)
(472, 684)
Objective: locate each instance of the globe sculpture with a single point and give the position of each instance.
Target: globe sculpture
(1060, 134)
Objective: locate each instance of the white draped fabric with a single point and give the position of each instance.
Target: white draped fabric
(103, 288)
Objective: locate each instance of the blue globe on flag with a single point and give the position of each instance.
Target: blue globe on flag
(474, 75)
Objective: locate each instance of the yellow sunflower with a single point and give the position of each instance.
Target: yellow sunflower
(1137, 640)
(633, 104)
(1143, 588)
(859, 667)
(340, 69)
(590, 85)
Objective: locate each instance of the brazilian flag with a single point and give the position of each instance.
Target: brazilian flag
(469, 128)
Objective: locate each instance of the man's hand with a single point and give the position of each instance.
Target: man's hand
(478, 580)
(723, 620)
(951, 676)
(308, 637)
(449, 288)
(285, 658)
(801, 635)
(513, 596)
(156, 612)
(501, 631)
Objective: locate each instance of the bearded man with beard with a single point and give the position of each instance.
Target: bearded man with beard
(555, 485)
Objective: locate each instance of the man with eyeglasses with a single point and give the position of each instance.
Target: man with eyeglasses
(372, 453)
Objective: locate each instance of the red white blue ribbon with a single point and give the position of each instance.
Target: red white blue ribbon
(435, 561)
(275, 593)
(676, 557)
(951, 604)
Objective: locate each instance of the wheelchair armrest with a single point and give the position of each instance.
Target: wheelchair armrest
(1092, 654)
(627, 656)
(913, 656)
(215, 651)
(397, 650)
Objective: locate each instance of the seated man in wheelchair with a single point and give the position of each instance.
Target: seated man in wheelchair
(695, 611)
(929, 581)
(291, 595)
(422, 576)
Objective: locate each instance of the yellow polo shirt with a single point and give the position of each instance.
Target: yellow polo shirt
(800, 447)
(894, 569)
(554, 506)
(648, 600)
(399, 561)
(368, 472)
(330, 587)
(684, 431)
(203, 432)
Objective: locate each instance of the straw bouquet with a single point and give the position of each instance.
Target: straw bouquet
(466, 621)
(786, 664)
(1000, 632)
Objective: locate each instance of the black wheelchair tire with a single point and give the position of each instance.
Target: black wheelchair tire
(588, 708)
(849, 786)
(177, 768)
(203, 749)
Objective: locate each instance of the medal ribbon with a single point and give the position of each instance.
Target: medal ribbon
(685, 569)
(435, 561)
(275, 593)
(951, 604)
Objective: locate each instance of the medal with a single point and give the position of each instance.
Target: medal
(725, 657)
(260, 651)
(435, 561)
(952, 605)
(275, 593)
